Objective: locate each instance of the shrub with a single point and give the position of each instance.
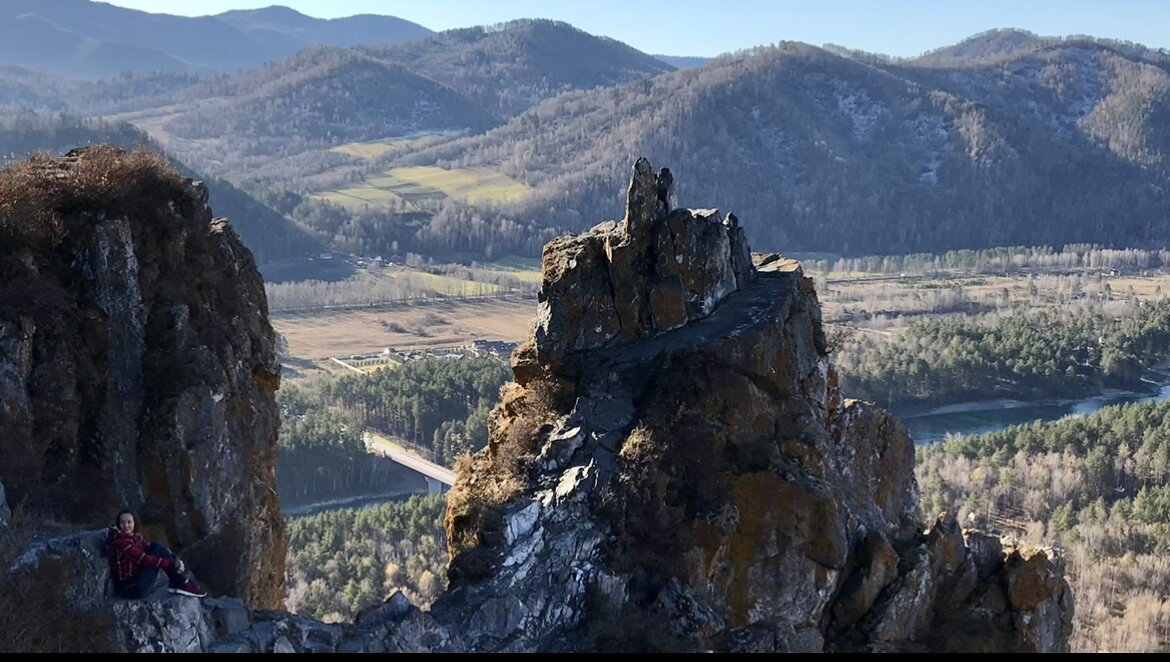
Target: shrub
(39, 194)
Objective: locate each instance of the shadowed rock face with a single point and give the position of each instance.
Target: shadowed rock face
(674, 469)
(137, 370)
(692, 479)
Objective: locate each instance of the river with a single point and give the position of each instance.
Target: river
(934, 425)
(992, 415)
(352, 502)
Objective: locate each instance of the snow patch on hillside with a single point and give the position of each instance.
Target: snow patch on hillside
(931, 131)
(772, 147)
(861, 110)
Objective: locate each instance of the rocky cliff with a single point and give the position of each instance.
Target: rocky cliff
(137, 366)
(673, 469)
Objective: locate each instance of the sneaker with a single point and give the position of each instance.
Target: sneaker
(189, 587)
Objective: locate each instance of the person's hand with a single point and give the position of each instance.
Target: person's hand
(180, 567)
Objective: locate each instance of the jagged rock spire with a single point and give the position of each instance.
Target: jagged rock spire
(657, 270)
(698, 482)
(675, 469)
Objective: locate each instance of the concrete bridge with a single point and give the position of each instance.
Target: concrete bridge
(437, 476)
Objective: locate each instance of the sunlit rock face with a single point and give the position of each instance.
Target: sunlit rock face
(675, 469)
(137, 366)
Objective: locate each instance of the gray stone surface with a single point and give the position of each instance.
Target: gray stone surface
(154, 388)
(698, 484)
(5, 511)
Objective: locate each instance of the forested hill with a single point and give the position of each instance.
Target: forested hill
(815, 151)
(1004, 139)
(95, 39)
(266, 233)
(319, 97)
(509, 68)
(23, 89)
(981, 48)
(470, 79)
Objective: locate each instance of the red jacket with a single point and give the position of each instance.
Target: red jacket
(127, 554)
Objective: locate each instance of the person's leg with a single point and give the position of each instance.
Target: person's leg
(160, 550)
(142, 586)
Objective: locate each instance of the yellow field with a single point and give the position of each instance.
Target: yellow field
(313, 337)
(412, 192)
(375, 148)
(445, 285)
(471, 184)
(364, 196)
(384, 366)
(522, 275)
(363, 150)
(516, 262)
(1144, 287)
(406, 188)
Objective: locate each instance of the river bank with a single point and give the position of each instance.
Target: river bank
(400, 494)
(980, 417)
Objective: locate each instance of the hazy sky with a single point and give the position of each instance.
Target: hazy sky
(710, 27)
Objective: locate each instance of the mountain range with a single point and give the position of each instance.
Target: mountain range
(95, 39)
(1043, 144)
(1005, 138)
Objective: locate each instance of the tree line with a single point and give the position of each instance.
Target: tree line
(1097, 487)
(1025, 354)
(342, 561)
(438, 404)
(321, 454)
(998, 260)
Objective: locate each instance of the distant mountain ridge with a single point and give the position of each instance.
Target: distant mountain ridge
(1005, 138)
(288, 30)
(468, 79)
(266, 233)
(326, 91)
(1046, 144)
(87, 39)
(458, 82)
(1031, 141)
(510, 67)
(683, 61)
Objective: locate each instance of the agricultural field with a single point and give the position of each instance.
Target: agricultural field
(411, 189)
(375, 148)
(891, 303)
(315, 337)
(447, 285)
(470, 184)
(360, 197)
(419, 310)
(373, 284)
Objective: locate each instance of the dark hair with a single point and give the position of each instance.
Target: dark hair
(125, 511)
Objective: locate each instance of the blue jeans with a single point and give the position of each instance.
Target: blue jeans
(144, 582)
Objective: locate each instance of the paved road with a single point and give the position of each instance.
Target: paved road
(379, 442)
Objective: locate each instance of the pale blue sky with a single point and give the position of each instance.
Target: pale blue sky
(710, 27)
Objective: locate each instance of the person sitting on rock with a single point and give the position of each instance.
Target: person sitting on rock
(134, 564)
